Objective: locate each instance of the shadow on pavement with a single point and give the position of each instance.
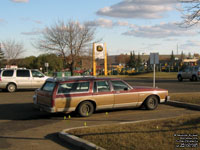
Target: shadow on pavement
(54, 137)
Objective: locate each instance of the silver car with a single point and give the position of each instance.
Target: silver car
(13, 79)
(192, 73)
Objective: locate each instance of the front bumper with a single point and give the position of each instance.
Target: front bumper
(165, 100)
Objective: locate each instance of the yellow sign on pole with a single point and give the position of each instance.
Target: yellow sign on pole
(99, 52)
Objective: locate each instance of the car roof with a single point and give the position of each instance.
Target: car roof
(79, 78)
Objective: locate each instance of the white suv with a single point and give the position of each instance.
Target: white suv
(13, 79)
(192, 73)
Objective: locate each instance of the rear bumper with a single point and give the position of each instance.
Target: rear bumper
(45, 108)
(42, 107)
(3, 85)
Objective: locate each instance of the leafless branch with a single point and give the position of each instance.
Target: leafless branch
(12, 49)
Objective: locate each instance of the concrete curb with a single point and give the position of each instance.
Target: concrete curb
(184, 105)
(78, 142)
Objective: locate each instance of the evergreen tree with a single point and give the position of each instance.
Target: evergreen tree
(139, 61)
(172, 56)
(182, 55)
(132, 60)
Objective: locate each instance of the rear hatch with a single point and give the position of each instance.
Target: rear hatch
(45, 94)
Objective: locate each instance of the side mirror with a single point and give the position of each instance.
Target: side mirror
(125, 89)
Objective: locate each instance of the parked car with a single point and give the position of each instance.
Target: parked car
(88, 94)
(13, 79)
(192, 73)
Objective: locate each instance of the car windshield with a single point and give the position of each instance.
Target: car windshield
(48, 86)
(36, 73)
(119, 85)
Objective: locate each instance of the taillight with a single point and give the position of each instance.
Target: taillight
(0, 78)
(52, 103)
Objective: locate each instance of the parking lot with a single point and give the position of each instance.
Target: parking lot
(23, 127)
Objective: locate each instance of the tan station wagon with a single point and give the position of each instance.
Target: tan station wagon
(88, 94)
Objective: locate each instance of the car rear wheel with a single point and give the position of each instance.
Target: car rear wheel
(180, 78)
(85, 109)
(151, 103)
(11, 87)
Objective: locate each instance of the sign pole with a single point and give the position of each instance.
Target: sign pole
(154, 59)
(154, 75)
(94, 61)
(105, 61)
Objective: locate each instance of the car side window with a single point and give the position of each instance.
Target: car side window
(186, 70)
(101, 86)
(119, 86)
(74, 87)
(8, 73)
(36, 73)
(23, 73)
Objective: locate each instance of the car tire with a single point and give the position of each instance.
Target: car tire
(180, 78)
(85, 109)
(151, 103)
(11, 87)
(194, 78)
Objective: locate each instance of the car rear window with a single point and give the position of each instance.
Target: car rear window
(48, 86)
(8, 73)
(74, 87)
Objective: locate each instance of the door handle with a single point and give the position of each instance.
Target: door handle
(117, 92)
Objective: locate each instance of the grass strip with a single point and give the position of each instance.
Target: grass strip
(151, 135)
(186, 97)
(159, 75)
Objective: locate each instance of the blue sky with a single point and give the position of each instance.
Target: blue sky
(141, 25)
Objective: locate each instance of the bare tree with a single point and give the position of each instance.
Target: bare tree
(191, 12)
(12, 49)
(70, 40)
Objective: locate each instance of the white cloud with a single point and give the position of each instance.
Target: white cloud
(2, 20)
(20, 1)
(34, 32)
(122, 23)
(106, 23)
(27, 19)
(191, 43)
(162, 30)
(150, 9)
(37, 21)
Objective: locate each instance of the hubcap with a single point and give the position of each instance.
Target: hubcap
(11, 88)
(152, 102)
(85, 109)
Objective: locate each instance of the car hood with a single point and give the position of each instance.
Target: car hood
(147, 88)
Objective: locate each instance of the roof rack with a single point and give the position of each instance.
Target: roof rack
(12, 68)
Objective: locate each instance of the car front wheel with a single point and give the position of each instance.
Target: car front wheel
(194, 78)
(151, 103)
(85, 109)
